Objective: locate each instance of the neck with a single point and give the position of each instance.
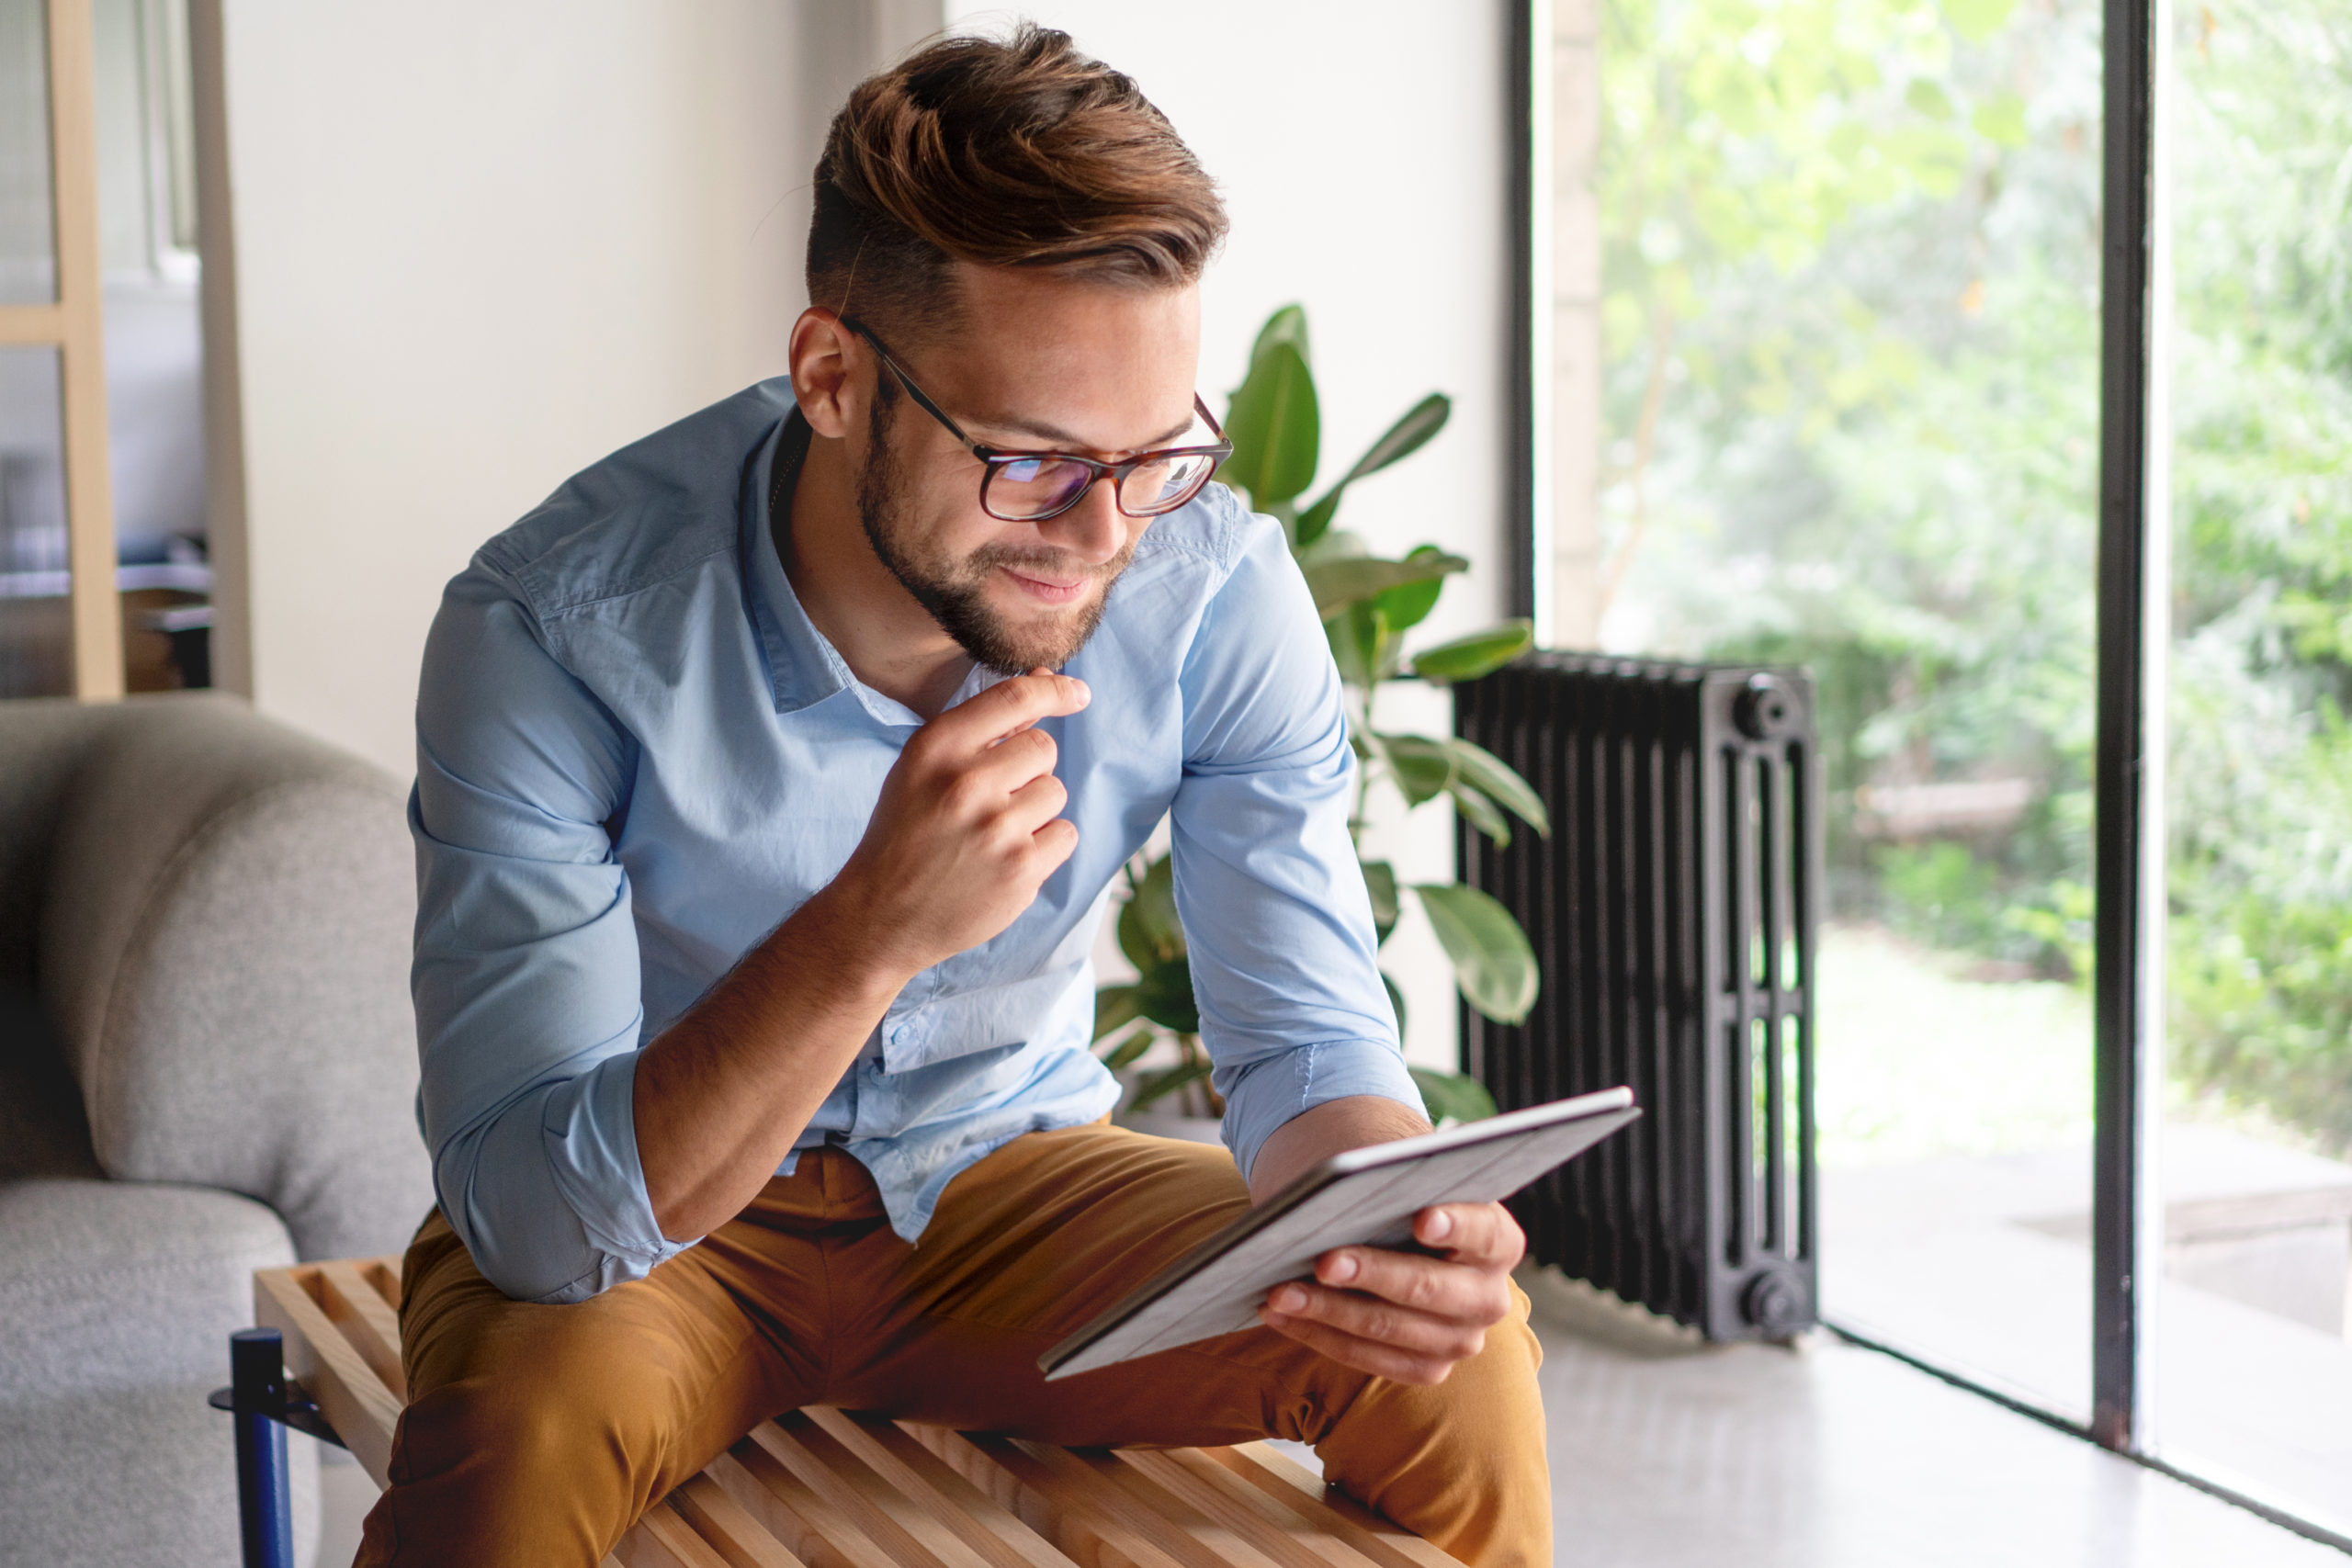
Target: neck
(881, 631)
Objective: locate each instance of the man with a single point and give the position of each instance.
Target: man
(772, 776)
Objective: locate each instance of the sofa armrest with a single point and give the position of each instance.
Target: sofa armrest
(223, 947)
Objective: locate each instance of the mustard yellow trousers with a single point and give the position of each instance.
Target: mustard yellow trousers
(539, 1434)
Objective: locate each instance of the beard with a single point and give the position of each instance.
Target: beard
(956, 591)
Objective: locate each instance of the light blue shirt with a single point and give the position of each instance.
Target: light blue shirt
(635, 757)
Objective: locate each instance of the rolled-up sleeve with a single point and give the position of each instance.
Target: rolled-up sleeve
(1275, 913)
(526, 977)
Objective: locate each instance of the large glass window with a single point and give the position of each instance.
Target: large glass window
(1849, 322)
(2253, 1329)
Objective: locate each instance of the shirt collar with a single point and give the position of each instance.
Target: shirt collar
(804, 668)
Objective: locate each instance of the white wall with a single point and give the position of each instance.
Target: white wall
(1362, 152)
(477, 246)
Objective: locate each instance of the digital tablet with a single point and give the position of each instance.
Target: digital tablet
(1364, 1197)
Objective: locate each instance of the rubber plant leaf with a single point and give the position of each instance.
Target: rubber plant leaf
(1492, 960)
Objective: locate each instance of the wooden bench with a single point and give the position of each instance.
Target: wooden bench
(824, 1488)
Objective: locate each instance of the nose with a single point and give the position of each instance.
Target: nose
(1095, 530)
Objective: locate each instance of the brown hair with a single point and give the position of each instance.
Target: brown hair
(1018, 151)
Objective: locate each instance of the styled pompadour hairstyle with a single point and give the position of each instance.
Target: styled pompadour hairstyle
(1015, 152)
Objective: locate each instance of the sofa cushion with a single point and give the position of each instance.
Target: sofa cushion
(117, 1302)
(120, 1284)
(225, 951)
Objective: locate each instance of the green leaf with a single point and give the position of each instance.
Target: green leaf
(1400, 441)
(1357, 636)
(1492, 961)
(1316, 518)
(1164, 995)
(1480, 653)
(1285, 325)
(1275, 427)
(1422, 768)
(1408, 605)
(1116, 1006)
(1929, 99)
(2001, 120)
(1452, 1097)
(1155, 1087)
(1977, 20)
(1149, 932)
(1124, 1052)
(1491, 776)
(1380, 881)
(1395, 1002)
(1481, 813)
(1404, 438)
(1337, 585)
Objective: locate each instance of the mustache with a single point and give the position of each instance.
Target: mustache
(1048, 563)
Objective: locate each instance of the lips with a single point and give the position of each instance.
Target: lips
(1047, 591)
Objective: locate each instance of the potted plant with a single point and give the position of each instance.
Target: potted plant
(1368, 605)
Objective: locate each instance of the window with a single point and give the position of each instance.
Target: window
(1991, 358)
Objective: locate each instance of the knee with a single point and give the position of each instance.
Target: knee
(558, 1401)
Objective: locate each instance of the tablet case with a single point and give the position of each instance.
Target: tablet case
(1362, 1197)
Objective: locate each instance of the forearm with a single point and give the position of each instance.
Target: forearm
(1324, 1130)
(723, 1094)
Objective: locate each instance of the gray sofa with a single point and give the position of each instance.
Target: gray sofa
(207, 1061)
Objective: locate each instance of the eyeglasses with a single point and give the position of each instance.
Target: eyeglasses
(1029, 487)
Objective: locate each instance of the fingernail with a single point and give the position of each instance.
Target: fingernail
(1439, 1226)
(1342, 1269)
(1290, 1298)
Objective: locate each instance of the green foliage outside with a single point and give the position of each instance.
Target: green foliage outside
(1368, 605)
(1851, 327)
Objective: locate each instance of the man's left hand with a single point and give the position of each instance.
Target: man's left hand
(1405, 1315)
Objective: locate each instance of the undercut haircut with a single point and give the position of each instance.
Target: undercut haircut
(1015, 152)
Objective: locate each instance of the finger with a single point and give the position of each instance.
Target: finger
(1057, 842)
(1380, 1322)
(1007, 708)
(1016, 760)
(1461, 1292)
(1472, 1232)
(1036, 803)
(1363, 1355)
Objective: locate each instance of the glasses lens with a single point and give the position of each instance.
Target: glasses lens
(1034, 487)
(1164, 484)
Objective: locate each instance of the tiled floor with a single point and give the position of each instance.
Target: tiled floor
(1670, 1453)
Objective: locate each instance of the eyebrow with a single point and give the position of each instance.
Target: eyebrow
(1067, 441)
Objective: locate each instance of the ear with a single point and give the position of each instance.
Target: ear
(831, 399)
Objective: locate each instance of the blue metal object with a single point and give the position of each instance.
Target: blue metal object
(257, 1394)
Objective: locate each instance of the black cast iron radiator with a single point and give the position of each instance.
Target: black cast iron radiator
(1673, 912)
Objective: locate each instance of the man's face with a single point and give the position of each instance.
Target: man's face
(1039, 363)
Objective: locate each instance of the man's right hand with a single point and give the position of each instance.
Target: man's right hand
(967, 827)
(964, 832)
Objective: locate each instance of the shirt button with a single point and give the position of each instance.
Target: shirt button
(901, 1034)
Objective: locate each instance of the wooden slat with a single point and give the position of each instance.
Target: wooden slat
(89, 487)
(355, 1307)
(1094, 1535)
(994, 1530)
(663, 1539)
(728, 1527)
(352, 1396)
(1286, 1537)
(820, 1534)
(1094, 1478)
(1306, 1496)
(910, 1534)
